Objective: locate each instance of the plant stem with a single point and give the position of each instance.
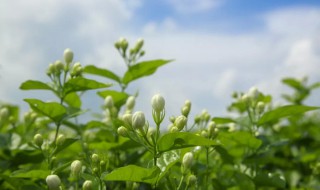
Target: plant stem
(180, 183)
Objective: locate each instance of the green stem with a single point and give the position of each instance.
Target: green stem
(207, 170)
(181, 181)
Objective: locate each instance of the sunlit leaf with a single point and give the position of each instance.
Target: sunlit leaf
(35, 174)
(172, 141)
(34, 85)
(135, 174)
(91, 69)
(82, 84)
(73, 100)
(53, 110)
(143, 69)
(66, 143)
(284, 111)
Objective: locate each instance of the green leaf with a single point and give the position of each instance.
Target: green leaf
(143, 69)
(82, 84)
(34, 85)
(166, 161)
(284, 111)
(119, 98)
(135, 174)
(35, 174)
(222, 120)
(91, 69)
(294, 83)
(171, 141)
(265, 180)
(53, 110)
(238, 142)
(66, 143)
(73, 100)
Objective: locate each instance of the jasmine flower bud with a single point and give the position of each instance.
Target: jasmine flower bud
(158, 103)
(130, 102)
(38, 140)
(68, 55)
(127, 119)
(108, 102)
(53, 182)
(60, 140)
(180, 122)
(122, 131)
(87, 185)
(138, 120)
(76, 167)
(187, 162)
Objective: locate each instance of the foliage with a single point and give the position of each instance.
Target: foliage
(262, 146)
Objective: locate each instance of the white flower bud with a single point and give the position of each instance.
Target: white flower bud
(139, 44)
(124, 43)
(187, 103)
(60, 140)
(138, 120)
(127, 119)
(158, 103)
(53, 182)
(76, 167)
(174, 129)
(187, 161)
(253, 93)
(4, 113)
(211, 128)
(68, 55)
(192, 180)
(38, 140)
(204, 134)
(95, 158)
(180, 122)
(130, 102)
(122, 131)
(185, 110)
(260, 107)
(245, 98)
(58, 65)
(87, 185)
(108, 102)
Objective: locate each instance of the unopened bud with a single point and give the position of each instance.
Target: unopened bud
(53, 182)
(76, 167)
(108, 102)
(68, 55)
(103, 165)
(158, 103)
(260, 107)
(127, 119)
(139, 44)
(130, 102)
(60, 140)
(38, 140)
(142, 53)
(124, 44)
(204, 134)
(174, 129)
(138, 120)
(253, 93)
(180, 122)
(58, 65)
(192, 180)
(122, 131)
(185, 111)
(4, 113)
(211, 128)
(51, 69)
(87, 185)
(187, 161)
(95, 158)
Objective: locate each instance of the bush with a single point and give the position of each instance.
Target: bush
(262, 147)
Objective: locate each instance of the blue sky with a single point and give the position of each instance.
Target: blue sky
(218, 45)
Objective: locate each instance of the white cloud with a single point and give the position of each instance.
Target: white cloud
(194, 6)
(208, 66)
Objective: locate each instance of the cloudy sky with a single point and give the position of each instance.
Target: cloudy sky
(219, 46)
